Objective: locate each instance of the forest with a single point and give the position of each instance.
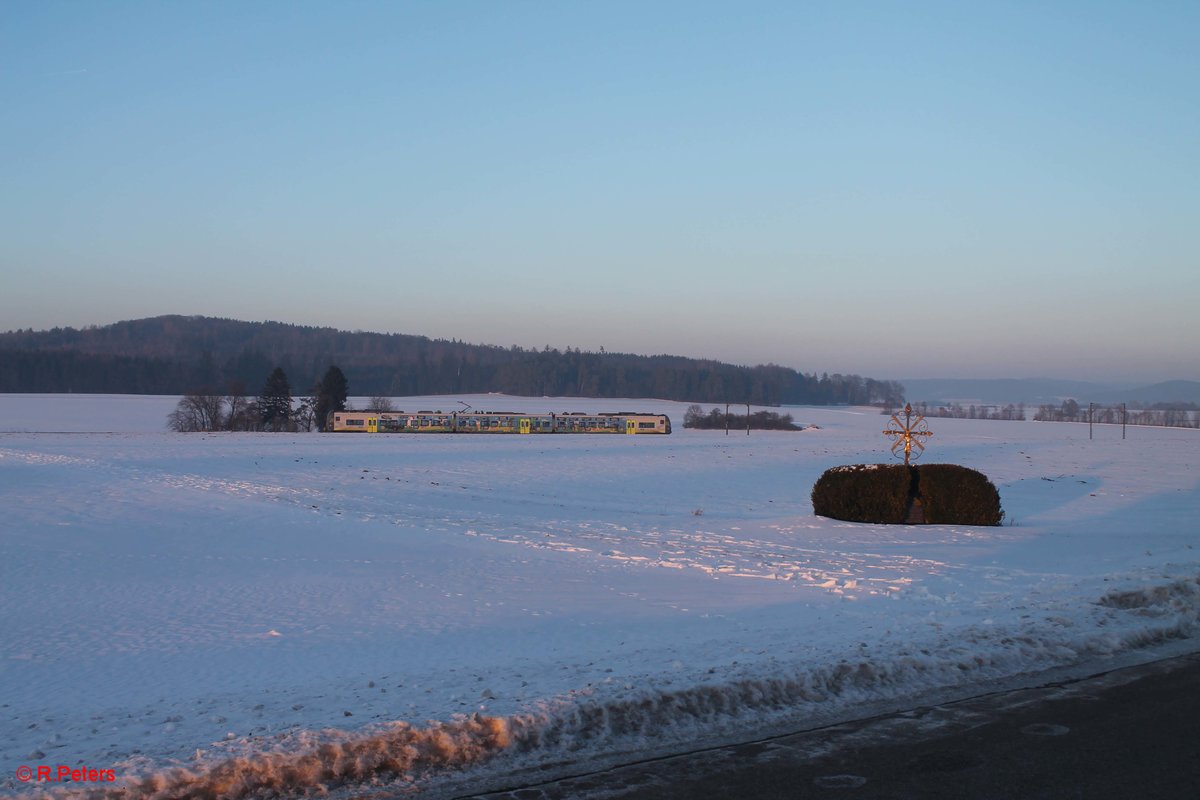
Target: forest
(177, 355)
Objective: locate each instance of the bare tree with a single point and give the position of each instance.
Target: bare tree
(380, 404)
(304, 416)
(241, 416)
(197, 412)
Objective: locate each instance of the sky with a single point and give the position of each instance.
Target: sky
(895, 189)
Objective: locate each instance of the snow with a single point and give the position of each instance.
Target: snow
(286, 611)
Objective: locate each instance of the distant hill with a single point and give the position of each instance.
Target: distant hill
(1167, 392)
(1040, 391)
(178, 354)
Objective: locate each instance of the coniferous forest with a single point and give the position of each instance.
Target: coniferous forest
(177, 355)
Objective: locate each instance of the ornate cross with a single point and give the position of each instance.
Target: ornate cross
(908, 433)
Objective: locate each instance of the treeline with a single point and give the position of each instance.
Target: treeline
(275, 409)
(957, 411)
(717, 419)
(1182, 415)
(178, 355)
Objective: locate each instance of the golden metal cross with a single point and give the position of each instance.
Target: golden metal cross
(908, 433)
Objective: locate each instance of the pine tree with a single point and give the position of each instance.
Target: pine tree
(331, 395)
(275, 402)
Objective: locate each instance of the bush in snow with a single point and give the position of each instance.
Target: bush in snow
(949, 494)
(863, 493)
(955, 495)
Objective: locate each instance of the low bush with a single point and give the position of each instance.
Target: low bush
(863, 493)
(883, 493)
(719, 420)
(955, 495)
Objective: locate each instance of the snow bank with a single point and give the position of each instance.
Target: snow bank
(318, 761)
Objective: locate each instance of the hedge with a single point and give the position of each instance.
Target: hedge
(863, 493)
(954, 495)
(883, 493)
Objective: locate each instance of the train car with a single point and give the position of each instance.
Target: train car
(496, 422)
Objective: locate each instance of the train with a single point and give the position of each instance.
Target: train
(627, 422)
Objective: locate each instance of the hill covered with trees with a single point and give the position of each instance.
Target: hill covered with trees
(178, 354)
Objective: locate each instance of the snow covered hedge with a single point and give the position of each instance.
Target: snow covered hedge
(955, 495)
(863, 493)
(949, 494)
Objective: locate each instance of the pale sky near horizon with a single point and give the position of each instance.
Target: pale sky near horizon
(887, 188)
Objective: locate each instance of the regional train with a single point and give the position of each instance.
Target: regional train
(495, 422)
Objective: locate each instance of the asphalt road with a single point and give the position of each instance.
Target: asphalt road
(1131, 733)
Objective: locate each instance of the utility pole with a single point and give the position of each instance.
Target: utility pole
(727, 419)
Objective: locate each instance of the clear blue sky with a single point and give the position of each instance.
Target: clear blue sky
(896, 189)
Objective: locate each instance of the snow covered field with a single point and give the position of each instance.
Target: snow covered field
(285, 610)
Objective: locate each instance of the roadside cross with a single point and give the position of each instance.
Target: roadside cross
(907, 434)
